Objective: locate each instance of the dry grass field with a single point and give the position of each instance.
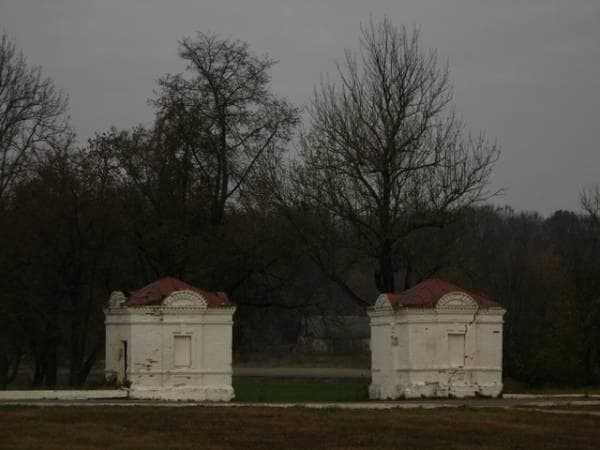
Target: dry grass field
(91, 427)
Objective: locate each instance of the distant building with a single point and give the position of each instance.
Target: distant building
(334, 334)
(170, 340)
(435, 340)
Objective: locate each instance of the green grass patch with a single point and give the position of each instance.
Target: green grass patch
(286, 390)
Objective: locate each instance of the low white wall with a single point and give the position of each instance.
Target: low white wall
(63, 395)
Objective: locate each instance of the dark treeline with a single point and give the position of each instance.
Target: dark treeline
(386, 190)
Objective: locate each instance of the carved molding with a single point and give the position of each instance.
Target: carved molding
(383, 303)
(185, 299)
(456, 300)
(116, 300)
(129, 314)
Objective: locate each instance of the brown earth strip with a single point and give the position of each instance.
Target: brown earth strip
(273, 428)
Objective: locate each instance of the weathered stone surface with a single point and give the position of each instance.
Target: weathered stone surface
(177, 350)
(450, 348)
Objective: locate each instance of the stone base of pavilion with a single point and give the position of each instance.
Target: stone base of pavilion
(222, 393)
(433, 390)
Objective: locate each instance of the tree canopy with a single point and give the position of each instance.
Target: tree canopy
(220, 111)
(32, 114)
(387, 184)
(385, 153)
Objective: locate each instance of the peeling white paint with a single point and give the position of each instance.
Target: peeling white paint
(180, 350)
(415, 354)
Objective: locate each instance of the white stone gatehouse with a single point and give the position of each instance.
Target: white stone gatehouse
(170, 340)
(435, 340)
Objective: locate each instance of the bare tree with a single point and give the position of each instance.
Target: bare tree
(223, 114)
(32, 113)
(590, 202)
(385, 154)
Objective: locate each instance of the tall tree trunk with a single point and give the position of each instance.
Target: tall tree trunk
(77, 338)
(89, 363)
(51, 362)
(39, 362)
(385, 273)
(76, 357)
(51, 348)
(408, 277)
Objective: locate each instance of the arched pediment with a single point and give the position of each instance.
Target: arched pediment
(383, 302)
(185, 299)
(456, 300)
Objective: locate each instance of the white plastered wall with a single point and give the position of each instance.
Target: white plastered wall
(117, 332)
(153, 369)
(416, 352)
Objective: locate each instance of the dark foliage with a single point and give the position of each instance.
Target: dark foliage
(198, 195)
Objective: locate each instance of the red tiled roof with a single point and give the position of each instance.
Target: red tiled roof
(428, 292)
(154, 293)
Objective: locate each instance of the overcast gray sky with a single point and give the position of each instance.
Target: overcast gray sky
(526, 72)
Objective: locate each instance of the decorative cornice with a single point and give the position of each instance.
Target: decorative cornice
(160, 311)
(429, 315)
(178, 302)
